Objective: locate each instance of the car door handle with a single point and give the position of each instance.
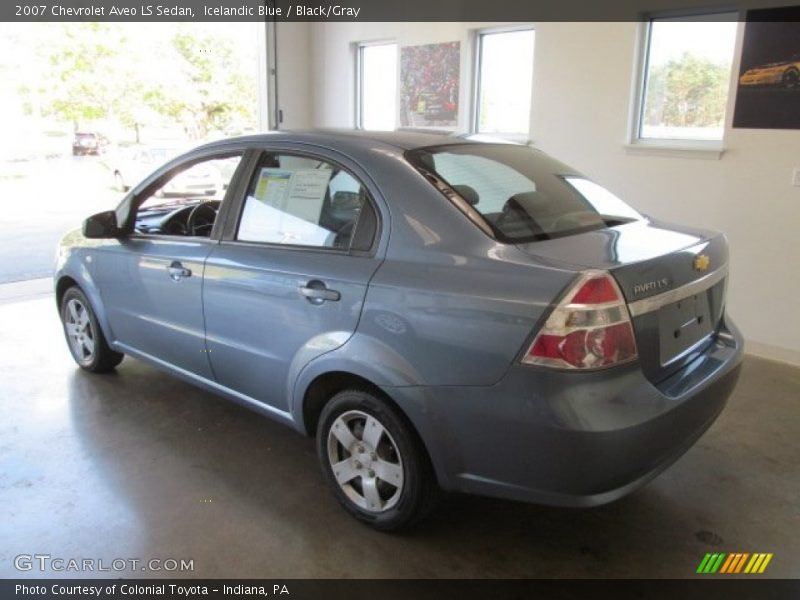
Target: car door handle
(177, 271)
(316, 293)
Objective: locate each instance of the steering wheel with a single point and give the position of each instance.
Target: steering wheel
(201, 219)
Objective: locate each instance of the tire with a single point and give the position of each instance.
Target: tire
(85, 339)
(791, 79)
(391, 484)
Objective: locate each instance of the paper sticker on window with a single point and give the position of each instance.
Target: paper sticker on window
(288, 207)
(272, 186)
(306, 193)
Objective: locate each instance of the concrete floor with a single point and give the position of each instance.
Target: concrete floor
(140, 465)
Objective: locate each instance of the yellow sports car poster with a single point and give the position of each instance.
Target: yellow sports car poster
(768, 94)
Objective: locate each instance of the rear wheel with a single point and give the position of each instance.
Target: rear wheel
(373, 461)
(84, 337)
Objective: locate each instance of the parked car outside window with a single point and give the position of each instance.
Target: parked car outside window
(88, 143)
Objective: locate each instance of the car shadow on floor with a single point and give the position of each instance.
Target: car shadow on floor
(199, 467)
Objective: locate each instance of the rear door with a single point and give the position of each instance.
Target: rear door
(288, 280)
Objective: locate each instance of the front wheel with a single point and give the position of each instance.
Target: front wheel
(373, 461)
(84, 337)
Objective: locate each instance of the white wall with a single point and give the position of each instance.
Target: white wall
(581, 104)
(293, 75)
(334, 55)
(582, 96)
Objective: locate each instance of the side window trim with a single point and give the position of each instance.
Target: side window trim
(236, 206)
(227, 219)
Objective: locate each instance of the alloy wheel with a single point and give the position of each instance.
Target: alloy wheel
(79, 330)
(365, 461)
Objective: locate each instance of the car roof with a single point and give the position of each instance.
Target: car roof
(401, 139)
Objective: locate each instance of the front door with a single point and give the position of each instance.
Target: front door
(151, 281)
(152, 291)
(289, 283)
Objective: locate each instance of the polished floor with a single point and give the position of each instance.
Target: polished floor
(137, 464)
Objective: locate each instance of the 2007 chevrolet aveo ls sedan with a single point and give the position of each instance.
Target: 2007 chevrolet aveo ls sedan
(441, 313)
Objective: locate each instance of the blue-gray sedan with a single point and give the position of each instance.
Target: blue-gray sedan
(441, 313)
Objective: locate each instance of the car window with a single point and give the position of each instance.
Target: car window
(523, 195)
(188, 201)
(302, 201)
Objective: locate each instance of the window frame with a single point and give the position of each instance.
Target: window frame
(359, 78)
(475, 113)
(236, 211)
(678, 147)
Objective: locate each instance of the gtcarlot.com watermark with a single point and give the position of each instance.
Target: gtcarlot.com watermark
(45, 563)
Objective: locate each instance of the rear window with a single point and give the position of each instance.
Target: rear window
(522, 194)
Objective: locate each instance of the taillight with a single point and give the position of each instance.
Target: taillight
(589, 329)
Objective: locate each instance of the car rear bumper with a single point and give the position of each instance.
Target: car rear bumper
(570, 439)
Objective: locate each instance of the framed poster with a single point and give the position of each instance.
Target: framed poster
(429, 80)
(768, 91)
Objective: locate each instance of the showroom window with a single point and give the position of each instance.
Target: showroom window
(303, 201)
(685, 79)
(377, 86)
(504, 81)
(128, 98)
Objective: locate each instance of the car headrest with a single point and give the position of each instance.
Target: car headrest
(345, 200)
(530, 201)
(468, 193)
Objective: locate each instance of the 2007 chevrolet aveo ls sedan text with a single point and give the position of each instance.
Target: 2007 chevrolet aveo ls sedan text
(441, 313)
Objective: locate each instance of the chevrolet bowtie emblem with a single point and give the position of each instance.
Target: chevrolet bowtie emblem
(701, 262)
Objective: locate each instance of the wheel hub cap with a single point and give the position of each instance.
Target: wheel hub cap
(365, 461)
(79, 331)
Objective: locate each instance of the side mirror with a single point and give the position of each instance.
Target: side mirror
(102, 225)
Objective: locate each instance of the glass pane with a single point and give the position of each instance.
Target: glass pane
(187, 204)
(378, 86)
(686, 83)
(506, 81)
(206, 180)
(96, 107)
(301, 202)
(521, 194)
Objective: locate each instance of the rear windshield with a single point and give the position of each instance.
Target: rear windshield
(522, 194)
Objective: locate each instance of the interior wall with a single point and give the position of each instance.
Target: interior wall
(583, 81)
(293, 75)
(583, 77)
(334, 47)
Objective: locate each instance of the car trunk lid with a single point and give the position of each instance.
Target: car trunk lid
(673, 280)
